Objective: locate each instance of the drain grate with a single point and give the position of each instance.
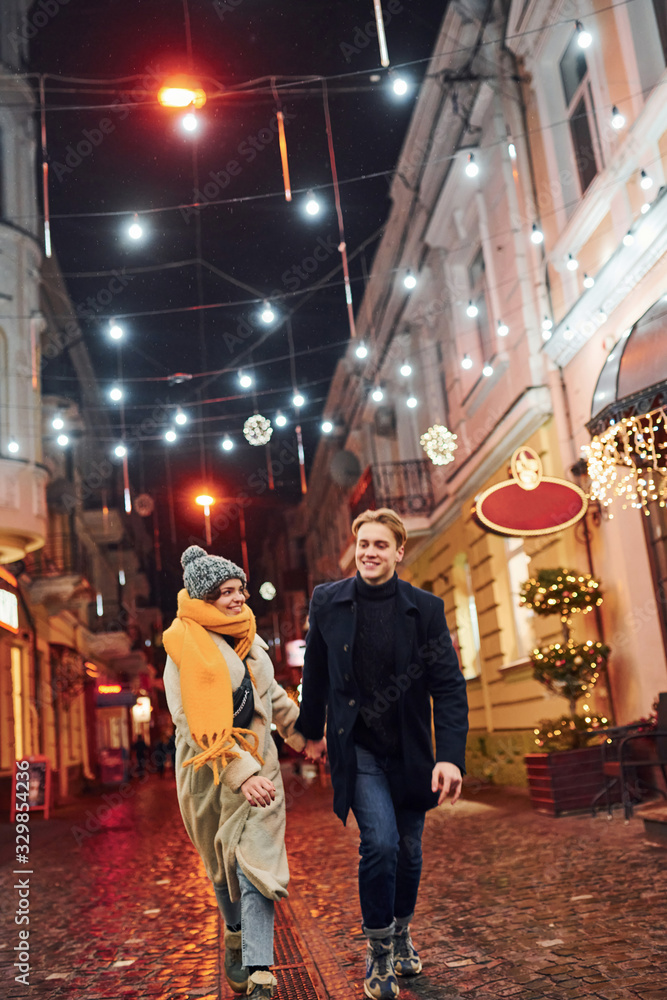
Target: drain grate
(294, 983)
(285, 947)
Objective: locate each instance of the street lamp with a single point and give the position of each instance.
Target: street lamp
(206, 502)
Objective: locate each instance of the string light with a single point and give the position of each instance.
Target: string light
(617, 119)
(267, 314)
(411, 401)
(298, 400)
(116, 394)
(327, 427)
(245, 380)
(135, 230)
(410, 281)
(13, 446)
(170, 436)
(547, 324)
(377, 395)
(568, 333)
(361, 350)
(227, 444)
(584, 38)
(588, 281)
(120, 451)
(57, 423)
(466, 362)
(628, 461)
(645, 207)
(63, 440)
(628, 239)
(400, 86)
(472, 309)
(536, 235)
(312, 205)
(645, 181)
(503, 329)
(405, 369)
(487, 370)
(572, 263)
(280, 419)
(181, 417)
(190, 122)
(547, 334)
(439, 444)
(471, 166)
(115, 331)
(511, 149)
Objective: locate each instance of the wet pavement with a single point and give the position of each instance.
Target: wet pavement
(513, 904)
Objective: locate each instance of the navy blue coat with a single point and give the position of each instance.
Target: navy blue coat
(426, 665)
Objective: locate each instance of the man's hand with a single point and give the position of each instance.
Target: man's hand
(258, 791)
(316, 749)
(446, 779)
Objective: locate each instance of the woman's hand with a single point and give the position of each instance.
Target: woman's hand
(258, 791)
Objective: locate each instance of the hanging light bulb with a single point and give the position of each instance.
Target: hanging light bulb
(312, 205)
(190, 122)
(466, 362)
(181, 417)
(13, 446)
(57, 423)
(645, 182)
(472, 309)
(511, 149)
(281, 419)
(410, 281)
(245, 380)
(115, 331)
(405, 369)
(135, 230)
(628, 239)
(400, 86)
(617, 119)
(327, 427)
(487, 370)
(536, 235)
(227, 444)
(411, 401)
(645, 207)
(568, 333)
(588, 281)
(503, 329)
(377, 395)
(572, 263)
(546, 333)
(547, 324)
(170, 436)
(471, 167)
(298, 400)
(116, 394)
(361, 350)
(267, 314)
(584, 38)
(63, 440)
(120, 451)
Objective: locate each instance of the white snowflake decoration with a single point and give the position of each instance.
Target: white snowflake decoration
(257, 429)
(439, 444)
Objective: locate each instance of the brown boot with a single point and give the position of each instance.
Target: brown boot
(262, 985)
(235, 972)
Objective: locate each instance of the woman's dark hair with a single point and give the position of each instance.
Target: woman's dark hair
(213, 595)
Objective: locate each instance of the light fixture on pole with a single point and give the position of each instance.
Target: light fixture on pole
(181, 92)
(206, 501)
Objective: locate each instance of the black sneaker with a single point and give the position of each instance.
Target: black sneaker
(380, 982)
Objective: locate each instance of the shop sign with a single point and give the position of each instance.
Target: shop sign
(529, 503)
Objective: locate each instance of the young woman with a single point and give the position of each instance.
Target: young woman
(223, 697)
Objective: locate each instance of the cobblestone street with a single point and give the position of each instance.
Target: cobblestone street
(513, 904)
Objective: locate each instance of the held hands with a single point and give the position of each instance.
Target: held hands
(316, 749)
(447, 780)
(258, 791)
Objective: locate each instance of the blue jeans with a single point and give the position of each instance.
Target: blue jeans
(254, 913)
(390, 849)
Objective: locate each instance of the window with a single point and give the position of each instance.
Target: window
(518, 568)
(660, 9)
(466, 636)
(477, 282)
(581, 113)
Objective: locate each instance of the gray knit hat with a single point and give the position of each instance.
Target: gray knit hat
(202, 573)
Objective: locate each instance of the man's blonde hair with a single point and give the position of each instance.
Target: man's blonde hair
(382, 516)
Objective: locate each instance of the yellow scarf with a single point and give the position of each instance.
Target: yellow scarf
(206, 686)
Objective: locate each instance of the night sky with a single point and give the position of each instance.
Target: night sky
(112, 149)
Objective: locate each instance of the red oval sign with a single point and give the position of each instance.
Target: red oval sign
(507, 509)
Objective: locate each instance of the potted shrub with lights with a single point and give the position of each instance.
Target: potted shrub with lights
(565, 772)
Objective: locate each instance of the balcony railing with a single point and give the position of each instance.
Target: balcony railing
(60, 556)
(406, 487)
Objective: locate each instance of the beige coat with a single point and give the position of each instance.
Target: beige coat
(220, 822)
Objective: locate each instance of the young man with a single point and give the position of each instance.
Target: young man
(378, 651)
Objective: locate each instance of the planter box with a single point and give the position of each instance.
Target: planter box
(565, 781)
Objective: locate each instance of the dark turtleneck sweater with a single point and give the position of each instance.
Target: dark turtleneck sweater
(374, 662)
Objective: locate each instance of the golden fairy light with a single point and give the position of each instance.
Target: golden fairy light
(628, 461)
(439, 444)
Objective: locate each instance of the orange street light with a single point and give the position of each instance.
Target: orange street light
(206, 502)
(181, 92)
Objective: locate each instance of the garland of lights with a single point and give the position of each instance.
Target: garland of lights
(570, 669)
(439, 444)
(629, 461)
(257, 429)
(560, 591)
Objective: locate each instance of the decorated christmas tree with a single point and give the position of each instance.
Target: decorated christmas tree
(568, 668)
